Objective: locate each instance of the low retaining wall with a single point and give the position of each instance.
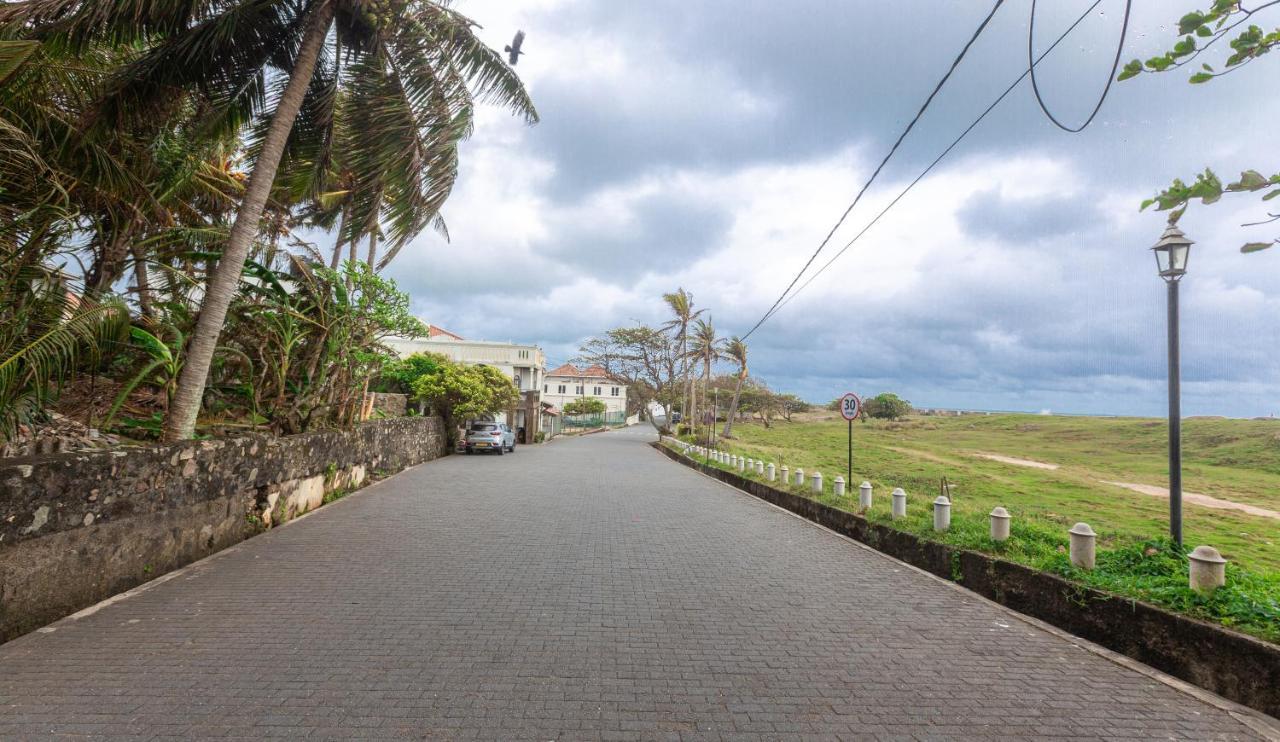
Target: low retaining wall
(78, 528)
(1233, 665)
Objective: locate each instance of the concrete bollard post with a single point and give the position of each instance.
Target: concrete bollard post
(742, 464)
(999, 524)
(786, 474)
(864, 495)
(837, 487)
(772, 472)
(799, 477)
(759, 467)
(1084, 545)
(899, 503)
(941, 513)
(1208, 569)
(816, 481)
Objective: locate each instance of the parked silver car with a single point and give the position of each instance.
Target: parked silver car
(498, 437)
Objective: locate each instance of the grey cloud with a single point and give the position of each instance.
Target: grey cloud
(664, 233)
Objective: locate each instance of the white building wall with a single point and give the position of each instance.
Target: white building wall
(571, 384)
(524, 364)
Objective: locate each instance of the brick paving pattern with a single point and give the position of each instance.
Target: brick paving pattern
(588, 589)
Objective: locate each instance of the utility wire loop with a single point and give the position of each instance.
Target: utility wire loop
(938, 159)
(1035, 86)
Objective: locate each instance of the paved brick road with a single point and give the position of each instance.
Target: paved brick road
(587, 589)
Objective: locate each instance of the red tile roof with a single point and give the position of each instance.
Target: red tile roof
(591, 372)
(435, 332)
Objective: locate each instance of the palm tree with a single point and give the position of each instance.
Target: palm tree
(681, 304)
(737, 350)
(708, 348)
(415, 66)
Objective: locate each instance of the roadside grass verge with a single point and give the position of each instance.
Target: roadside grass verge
(1128, 564)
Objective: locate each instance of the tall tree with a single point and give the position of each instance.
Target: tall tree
(707, 348)
(680, 302)
(416, 63)
(644, 358)
(737, 350)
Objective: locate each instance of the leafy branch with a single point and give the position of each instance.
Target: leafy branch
(1220, 21)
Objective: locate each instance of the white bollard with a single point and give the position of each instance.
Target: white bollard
(999, 524)
(899, 503)
(799, 477)
(772, 472)
(941, 513)
(1208, 569)
(1084, 544)
(837, 487)
(816, 481)
(786, 475)
(742, 464)
(864, 495)
(759, 467)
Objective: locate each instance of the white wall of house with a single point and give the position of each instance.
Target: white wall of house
(561, 390)
(523, 364)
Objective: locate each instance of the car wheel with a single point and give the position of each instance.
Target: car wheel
(512, 449)
(467, 451)
(499, 450)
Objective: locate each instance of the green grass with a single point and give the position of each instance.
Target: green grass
(1229, 459)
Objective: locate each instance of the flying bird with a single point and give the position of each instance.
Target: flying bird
(514, 50)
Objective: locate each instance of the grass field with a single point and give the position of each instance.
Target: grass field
(1233, 461)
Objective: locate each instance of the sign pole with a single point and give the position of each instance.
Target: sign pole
(850, 408)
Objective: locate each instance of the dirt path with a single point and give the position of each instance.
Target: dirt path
(1017, 461)
(1205, 500)
(1145, 489)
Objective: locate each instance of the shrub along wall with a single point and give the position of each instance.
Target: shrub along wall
(1239, 667)
(77, 528)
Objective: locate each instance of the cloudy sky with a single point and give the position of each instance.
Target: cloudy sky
(711, 145)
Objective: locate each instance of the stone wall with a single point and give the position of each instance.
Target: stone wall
(78, 528)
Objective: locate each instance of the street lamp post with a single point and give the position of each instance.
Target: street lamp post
(1171, 253)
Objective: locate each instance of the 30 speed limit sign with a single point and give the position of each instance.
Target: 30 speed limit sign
(850, 407)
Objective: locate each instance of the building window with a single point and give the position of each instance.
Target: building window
(546, 388)
(615, 391)
(561, 389)
(517, 380)
(596, 391)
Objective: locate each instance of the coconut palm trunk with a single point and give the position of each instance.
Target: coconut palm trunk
(737, 350)
(225, 279)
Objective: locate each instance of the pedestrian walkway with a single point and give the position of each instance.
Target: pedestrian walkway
(586, 589)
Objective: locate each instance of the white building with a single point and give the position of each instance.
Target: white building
(524, 364)
(567, 383)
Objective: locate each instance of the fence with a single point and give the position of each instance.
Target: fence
(600, 420)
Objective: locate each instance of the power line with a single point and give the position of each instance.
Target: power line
(1115, 65)
(937, 88)
(935, 162)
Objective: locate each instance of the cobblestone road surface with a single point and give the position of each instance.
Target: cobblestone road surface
(588, 589)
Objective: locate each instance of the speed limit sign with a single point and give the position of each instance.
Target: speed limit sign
(850, 407)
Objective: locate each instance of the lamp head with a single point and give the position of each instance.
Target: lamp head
(1172, 251)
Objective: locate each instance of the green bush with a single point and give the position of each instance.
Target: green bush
(585, 406)
(886, 407)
